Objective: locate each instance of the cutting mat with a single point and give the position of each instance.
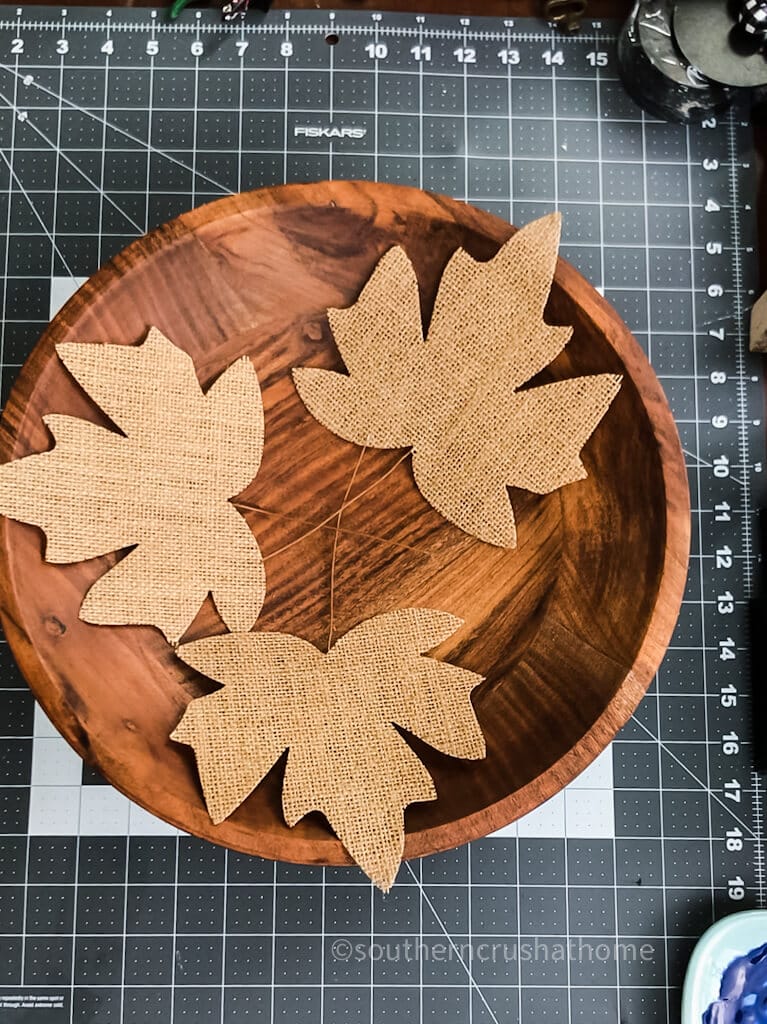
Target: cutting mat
(114, 121)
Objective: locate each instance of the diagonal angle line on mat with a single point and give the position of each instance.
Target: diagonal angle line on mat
(692, 775)
(72, 164)
(29, 80)
(727, 319)
(451, 940)
(709, 465)
(39, 219)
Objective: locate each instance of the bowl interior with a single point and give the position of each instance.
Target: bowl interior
(555, 626)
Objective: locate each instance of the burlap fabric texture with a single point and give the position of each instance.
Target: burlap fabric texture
(334, 712)
(162, 485)
(454, 398)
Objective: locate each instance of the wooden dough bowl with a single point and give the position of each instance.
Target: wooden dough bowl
(568, 629)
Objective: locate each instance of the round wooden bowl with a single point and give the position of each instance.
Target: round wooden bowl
(567, 629)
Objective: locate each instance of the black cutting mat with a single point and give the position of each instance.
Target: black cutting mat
(112, 122)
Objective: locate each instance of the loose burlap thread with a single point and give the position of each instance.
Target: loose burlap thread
(335, 714)
(454, 398)
(162, 485)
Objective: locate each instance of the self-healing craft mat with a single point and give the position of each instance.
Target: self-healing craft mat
(111, 913)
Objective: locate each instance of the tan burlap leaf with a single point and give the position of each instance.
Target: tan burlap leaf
(454, 398)
(162, 485)
(334, 712)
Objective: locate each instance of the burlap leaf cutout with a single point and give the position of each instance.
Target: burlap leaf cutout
(454, 397)
(334, 712)
(162, 485)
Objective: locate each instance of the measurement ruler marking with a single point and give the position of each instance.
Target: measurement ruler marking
(737, 381)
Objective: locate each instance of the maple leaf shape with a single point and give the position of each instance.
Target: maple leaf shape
(335, 714)
(162, 485)
(454, 398)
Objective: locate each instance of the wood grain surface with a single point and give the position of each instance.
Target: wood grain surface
(568, 629)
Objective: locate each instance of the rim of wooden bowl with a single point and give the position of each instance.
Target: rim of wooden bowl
(670, 586)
